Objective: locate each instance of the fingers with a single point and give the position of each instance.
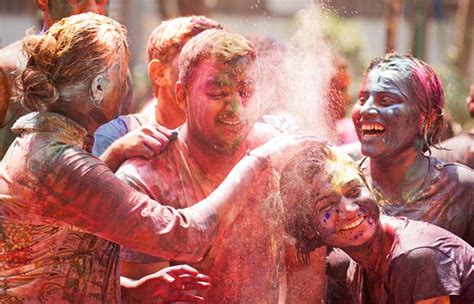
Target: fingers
(179, 270)
(155, 130)
(193, 286)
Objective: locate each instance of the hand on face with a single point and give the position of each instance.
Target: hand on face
(386, 117)
(345, 213)
(172, 284)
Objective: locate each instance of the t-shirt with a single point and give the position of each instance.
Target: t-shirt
(459, 149)
(109, 132)
(424, 262)
(63, 211)
(444, 198)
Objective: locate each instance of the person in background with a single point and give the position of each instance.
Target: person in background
(326, 201)
(13, 60)
(144, 134)
(460, 148)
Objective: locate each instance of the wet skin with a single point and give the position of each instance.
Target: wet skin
(345, 213)
(218, 99)
(387, 117)
(59, 9)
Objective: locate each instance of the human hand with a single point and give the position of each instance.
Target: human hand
(278, 150)
(170, 284)
(284, 123)
(147, 141)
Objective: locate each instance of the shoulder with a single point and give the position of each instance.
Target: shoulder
(456, 172)
(145, 173)
(12, 59)
(418, 241)
(414, 234)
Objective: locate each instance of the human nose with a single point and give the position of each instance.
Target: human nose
(233, 102)
(348, 208)
(368, 109)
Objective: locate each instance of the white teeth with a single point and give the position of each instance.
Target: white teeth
(354, 224)
(372, 127)
(228, 122)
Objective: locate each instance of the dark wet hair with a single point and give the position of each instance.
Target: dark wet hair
(428, 89)
(297, 197)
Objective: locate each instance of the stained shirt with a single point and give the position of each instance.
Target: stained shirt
(247, 260)
(445, 198)
(458, 149)
(63, 211)
(424, 262)
(109, 132)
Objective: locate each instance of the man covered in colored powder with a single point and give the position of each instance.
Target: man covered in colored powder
(164, 47)
(459, 149)
(13, 61)
(394, 260)
(248, 262)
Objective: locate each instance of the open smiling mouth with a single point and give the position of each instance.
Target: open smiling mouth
(372, 129)
(229, 120)
(355, 223)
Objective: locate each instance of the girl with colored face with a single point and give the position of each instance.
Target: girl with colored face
(392, 260)
(398, 118)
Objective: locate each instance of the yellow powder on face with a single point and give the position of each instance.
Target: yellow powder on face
(341, 169)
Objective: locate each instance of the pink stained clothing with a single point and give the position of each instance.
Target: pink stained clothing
(62, 211)
(247, 260)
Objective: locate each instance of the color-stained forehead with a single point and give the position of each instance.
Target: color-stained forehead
(341, 170)
(394, 81)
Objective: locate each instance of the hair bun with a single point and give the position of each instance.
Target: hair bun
(36, 90)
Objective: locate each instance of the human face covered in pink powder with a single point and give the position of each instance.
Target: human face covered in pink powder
(387, 115)
(345, 213)
(218, 110)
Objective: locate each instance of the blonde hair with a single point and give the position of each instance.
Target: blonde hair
(167, 40)
(69, 55)
(215, 45)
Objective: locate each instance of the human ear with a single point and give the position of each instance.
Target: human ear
(42, 4)
(156, 72)
(97, 89)
(181, 96)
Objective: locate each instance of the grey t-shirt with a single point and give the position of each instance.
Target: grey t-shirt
(425, 262)
(444, 198)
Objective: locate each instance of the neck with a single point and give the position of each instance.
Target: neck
(213, 163)
(395, 176)
(373, 255)
(47, 22)
(167, 112)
